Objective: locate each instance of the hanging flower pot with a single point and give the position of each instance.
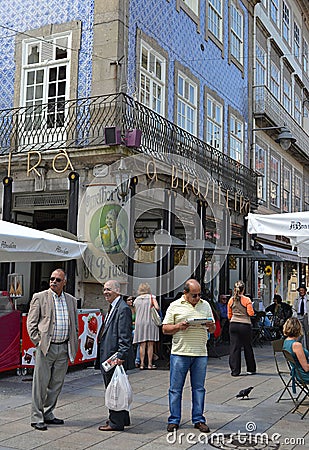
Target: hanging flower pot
(268, 271)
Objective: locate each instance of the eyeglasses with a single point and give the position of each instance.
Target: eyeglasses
(195, 295)
(56, 279)
(107, 289)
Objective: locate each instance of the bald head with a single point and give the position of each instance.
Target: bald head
(192, 291)
(111, 290)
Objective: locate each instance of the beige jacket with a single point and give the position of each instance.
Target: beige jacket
(41, 319)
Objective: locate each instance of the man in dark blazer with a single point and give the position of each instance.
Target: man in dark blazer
(52, 327)
(115, 336)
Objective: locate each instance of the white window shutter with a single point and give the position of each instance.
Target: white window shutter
(47, 51)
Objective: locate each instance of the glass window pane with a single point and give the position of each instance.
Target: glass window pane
(144, 58)
(180, 85)
(30, 78)
(62, 72)
(29, 93)
(61, 88)
(39, 76)
(53, 74)
(61, 53)
(34, 54)
(158, 69)
(39, 91)
(52, 90)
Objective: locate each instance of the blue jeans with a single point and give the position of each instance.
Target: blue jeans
(179, 367)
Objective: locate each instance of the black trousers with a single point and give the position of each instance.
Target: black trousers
(240, 336)
(117, 419)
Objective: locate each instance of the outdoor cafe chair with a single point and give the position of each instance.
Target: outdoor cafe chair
(283, 368)
(258, 322)
(298, 380)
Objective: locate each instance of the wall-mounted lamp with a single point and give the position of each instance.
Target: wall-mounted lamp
(123, 178)
(285, 138)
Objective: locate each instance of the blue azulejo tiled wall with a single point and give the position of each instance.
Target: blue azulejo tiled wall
(177, 34)
(23, 15)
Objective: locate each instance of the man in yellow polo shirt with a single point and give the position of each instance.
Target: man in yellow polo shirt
(189, 353)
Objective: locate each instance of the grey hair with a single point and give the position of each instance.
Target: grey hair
(61, 270)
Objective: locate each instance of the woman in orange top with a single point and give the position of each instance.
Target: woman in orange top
(239, 311)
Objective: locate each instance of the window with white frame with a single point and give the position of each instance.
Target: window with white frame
(297, 109)
(305, 56)
(296, 41)
(46, 67)
(236, 139)
(192, 4)
(275, 80)
(285, 22)
(186, 104)
(297, 193)
(286, 189)
(152, 79)
(214, 123)
(287, 95)
(274, 11)
(260, 167)
(261, 60)
(306, 196)
(237, 31)
(215, 16)
(274, 181)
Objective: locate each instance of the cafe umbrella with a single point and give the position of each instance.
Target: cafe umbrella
(20, 243)
(295, 226)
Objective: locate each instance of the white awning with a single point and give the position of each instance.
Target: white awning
(19, 243)
(287, 255)
(295, 226)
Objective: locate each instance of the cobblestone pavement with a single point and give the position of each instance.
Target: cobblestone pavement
(81, 405)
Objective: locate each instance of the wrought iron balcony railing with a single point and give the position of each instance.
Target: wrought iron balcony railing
(80, 123)
(266, 104)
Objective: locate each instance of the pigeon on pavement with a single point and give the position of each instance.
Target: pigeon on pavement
(244, 392)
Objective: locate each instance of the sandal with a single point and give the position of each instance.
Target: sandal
(152, 367)
(141, 367)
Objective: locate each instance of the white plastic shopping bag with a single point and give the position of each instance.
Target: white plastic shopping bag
(119, 394)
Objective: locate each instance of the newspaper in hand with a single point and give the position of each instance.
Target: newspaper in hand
(200, 321)
(110, 362)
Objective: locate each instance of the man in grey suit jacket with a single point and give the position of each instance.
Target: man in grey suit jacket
(115, 336)
(52, 327)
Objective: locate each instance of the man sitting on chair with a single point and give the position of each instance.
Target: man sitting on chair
(280, 310)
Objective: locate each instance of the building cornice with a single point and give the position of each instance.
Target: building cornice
(250, 5)
(304, 6)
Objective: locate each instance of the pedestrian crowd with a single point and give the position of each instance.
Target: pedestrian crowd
(128, 337)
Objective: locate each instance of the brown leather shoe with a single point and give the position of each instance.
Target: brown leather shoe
(202, 427)
(108, 428)
(172, 427)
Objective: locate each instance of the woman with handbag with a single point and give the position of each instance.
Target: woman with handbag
(146, 331)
